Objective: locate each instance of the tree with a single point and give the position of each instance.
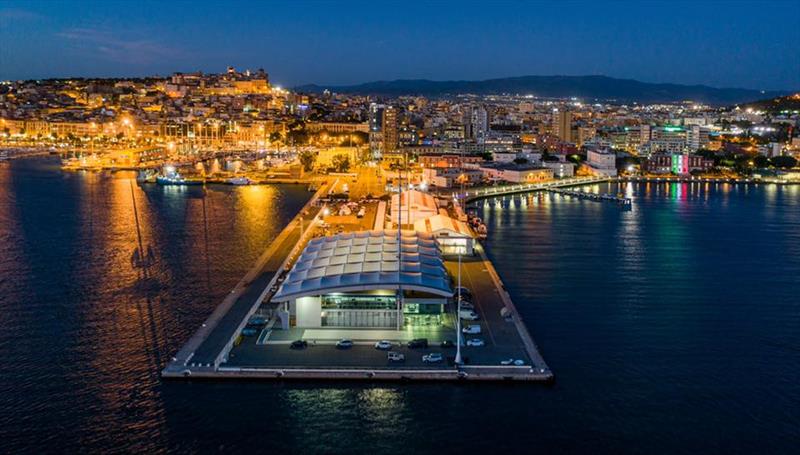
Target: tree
(783, 161)
(760, 161)
(307, 159)
(275, 136)
(520, 160)
(340, 162)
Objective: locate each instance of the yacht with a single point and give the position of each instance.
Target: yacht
(239, 181)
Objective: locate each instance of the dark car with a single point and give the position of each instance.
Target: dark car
(418, 343)
(447, 344)
(299, 344)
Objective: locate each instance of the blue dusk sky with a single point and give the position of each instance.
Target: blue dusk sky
(722, 44)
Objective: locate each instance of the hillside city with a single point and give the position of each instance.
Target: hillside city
(270, 132)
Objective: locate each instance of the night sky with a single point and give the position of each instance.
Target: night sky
(741, 44)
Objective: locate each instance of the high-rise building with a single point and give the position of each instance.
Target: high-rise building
(376, 117)
(390, 133)
(476, 123)
(562, 124)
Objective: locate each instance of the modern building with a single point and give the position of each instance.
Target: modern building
(366, 279)
(677, 163)
(602, 161)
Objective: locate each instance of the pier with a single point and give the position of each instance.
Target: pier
(623, 201)
(206, 349)
(218, 350)
(502, 190)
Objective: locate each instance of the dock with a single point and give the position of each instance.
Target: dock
(619, 200)
(218, 350)
(206, 349)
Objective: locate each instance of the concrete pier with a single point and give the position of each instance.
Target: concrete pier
(217, 351)
(206, 348)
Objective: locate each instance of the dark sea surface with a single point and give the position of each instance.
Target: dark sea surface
(673, 327)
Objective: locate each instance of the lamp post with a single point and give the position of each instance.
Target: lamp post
(458, 314)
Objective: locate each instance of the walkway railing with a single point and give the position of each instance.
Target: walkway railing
(479, 193)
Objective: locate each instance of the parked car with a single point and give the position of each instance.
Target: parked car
(249, 331)
(517, 362)
(395, 356)
(465, 292)
(473, 329)
(383, 345)
(299, 344)
(433, 357)
(257, 320)
(418, 343)
(475, 342)
(467, 306)
(344, 343)
(447, 344)
(469, 315)
(507, 362)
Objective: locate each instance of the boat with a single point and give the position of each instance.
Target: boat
(239, 181)
(172, 177)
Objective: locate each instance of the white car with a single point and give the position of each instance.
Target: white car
(395, 356)
(467, 306)
(475, 342)
(469, 315)
(433, 357)
(471, 329)
(383, 345)
(517, 362)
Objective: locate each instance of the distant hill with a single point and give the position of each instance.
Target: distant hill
(585, 87)
(778, 104)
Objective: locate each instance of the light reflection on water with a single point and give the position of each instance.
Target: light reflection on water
(672, 327)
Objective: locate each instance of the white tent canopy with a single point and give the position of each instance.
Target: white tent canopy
(367, 260)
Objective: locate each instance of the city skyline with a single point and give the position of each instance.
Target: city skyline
(685, 43)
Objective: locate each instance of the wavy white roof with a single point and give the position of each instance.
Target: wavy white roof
(367, 260)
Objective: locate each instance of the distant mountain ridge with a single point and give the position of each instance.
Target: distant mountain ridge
(585, 87)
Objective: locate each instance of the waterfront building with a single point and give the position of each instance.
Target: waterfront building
(453, 236)
(675, 163)
(602, 162)
(355, 280)
(516, 173)
(560, 169)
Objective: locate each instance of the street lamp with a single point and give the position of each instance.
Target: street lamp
(458, 314)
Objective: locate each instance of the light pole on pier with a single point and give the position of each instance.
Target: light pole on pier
(458, 314)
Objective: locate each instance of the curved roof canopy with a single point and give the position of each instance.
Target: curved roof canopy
(367, 260)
